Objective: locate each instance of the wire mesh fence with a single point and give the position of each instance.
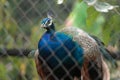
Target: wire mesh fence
(20, 32)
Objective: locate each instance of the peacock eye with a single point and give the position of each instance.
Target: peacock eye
(48, 22)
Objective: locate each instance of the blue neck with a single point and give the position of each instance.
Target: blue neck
(51, 28)
(50, 33)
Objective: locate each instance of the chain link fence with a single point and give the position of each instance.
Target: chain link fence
(20, 32)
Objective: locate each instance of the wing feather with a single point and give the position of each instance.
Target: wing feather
(91, 48)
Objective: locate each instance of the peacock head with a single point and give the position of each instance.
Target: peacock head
(47, 23)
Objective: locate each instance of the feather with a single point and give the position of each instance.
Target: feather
(92, 54)
(105, 52)
(88, 43)
(58, 55)
(68, 54)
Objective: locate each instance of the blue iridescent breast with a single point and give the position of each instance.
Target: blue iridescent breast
(59, 50)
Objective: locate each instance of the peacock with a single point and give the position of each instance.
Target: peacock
(69, 54)
(78, 18)
(60, 57)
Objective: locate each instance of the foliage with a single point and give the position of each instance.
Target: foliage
(20, 29)
(96, 23)
(14, 68)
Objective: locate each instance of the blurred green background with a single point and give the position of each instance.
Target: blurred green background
(20, 29)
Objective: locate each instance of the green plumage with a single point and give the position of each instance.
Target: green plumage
(104, 51)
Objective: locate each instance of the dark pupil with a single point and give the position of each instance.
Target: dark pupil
(48, 22)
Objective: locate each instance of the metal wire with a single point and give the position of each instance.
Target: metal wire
(19, 29)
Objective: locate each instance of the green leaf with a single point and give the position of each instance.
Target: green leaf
(3, 72)
(95, 22)
(111, 29)
(79, 14)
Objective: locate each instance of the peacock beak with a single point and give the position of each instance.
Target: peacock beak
(42, 26)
